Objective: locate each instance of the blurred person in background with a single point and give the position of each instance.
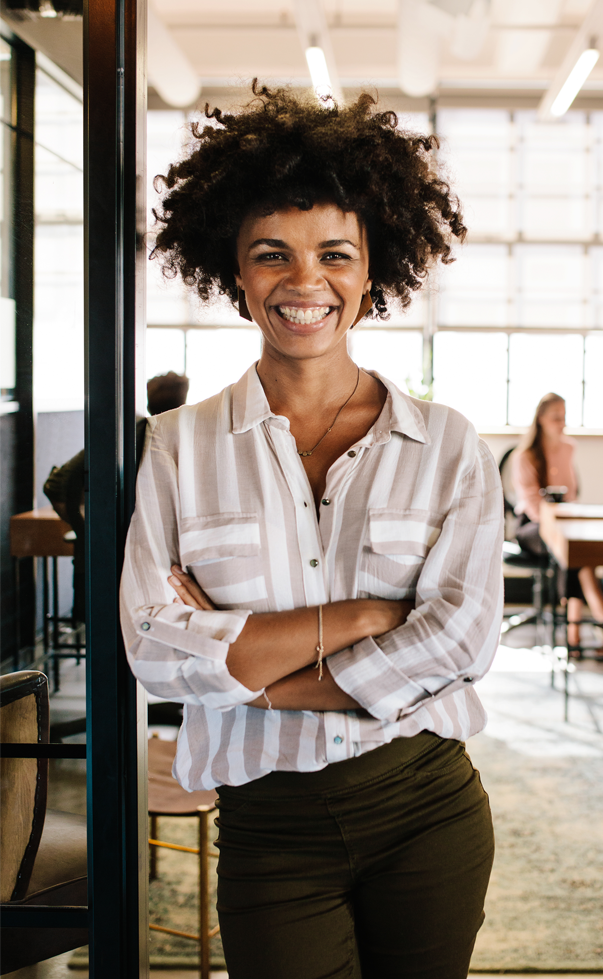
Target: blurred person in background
(545, 457)
(64, 486)
(166, 391)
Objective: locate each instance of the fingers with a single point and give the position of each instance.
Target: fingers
(183, 596)
(188, 590)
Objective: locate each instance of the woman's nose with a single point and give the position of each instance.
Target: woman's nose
(303, 276)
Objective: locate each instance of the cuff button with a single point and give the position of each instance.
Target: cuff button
(468, 679)
(145, 626)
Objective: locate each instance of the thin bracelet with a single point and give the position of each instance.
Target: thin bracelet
(320, 649)
(267, 699)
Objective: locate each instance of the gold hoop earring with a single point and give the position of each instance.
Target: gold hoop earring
(365, 305)
(243, 309)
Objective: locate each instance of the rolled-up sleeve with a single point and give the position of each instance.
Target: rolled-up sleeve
(450, 638)
(176, 652)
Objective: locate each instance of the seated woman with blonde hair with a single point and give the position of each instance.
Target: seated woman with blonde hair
(545, 457)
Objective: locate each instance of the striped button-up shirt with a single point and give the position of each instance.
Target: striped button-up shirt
(413, 510)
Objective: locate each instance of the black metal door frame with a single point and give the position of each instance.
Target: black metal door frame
(18, 617)
(115, 263)
(114, 230)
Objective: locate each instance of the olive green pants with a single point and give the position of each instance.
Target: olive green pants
(375, 867)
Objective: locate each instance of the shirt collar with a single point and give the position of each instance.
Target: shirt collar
(250, 408)
(400, 414)
(249, 403)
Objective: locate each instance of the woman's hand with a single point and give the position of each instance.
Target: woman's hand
(188, 591)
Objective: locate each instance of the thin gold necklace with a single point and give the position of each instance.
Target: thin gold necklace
(308, 452)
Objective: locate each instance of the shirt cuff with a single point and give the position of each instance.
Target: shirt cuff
(182, 627)
(365, 673)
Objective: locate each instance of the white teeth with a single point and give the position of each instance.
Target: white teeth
(296, 315)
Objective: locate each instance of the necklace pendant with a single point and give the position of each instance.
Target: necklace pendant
(305, 453)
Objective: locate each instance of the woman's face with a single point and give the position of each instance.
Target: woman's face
(552, 419)
(304, 274)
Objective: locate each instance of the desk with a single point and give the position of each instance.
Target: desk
(573, 533)
(575, 511)
(41, 533)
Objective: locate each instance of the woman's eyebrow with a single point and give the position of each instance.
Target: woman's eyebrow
(279, 243)
(271, 242)
(336, 242)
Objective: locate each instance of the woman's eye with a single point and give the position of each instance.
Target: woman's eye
(270, 257)
(334, 256)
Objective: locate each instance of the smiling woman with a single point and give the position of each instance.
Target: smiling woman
(334, 549)
(282, 152)
(332, 272)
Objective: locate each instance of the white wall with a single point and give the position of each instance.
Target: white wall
(589, 461)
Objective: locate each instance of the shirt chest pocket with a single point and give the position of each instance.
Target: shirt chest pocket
(396, 546)
(223, 553)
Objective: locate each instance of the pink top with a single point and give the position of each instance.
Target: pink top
(560, 472)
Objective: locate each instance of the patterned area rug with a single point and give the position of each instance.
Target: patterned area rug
(544, 910)
(174, 901)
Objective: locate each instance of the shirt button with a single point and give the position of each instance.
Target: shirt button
(145, 626)
(338, 739)
(468, 679)
(351, 454)
(326, 502)
(313, 563)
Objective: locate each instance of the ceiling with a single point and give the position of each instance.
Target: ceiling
(474, 49)
(524, 40)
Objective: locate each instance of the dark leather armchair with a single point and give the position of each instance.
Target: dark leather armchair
(42, 852)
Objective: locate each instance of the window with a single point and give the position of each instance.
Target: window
(515, 316)
(532, 197)
(470, 374)
(59, 246)
(593, 388)
(539, 364)
(396, 354)
(165, 351)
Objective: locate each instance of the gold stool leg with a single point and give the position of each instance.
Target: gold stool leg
(203, 896)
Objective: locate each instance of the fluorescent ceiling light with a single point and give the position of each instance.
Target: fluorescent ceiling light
(319, 73)
(575, 80)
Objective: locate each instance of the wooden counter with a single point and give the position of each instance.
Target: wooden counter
(573, 532)
(39, 533)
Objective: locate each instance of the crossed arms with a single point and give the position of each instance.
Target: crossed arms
(277, 650)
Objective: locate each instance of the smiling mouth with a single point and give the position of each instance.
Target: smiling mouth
(302, 317)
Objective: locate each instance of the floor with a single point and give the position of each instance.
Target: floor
(523, 708)
(57, 969)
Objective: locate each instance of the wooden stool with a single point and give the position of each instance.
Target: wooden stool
(167, 798)
(41, 533)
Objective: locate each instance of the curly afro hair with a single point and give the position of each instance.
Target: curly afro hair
(283, 151)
